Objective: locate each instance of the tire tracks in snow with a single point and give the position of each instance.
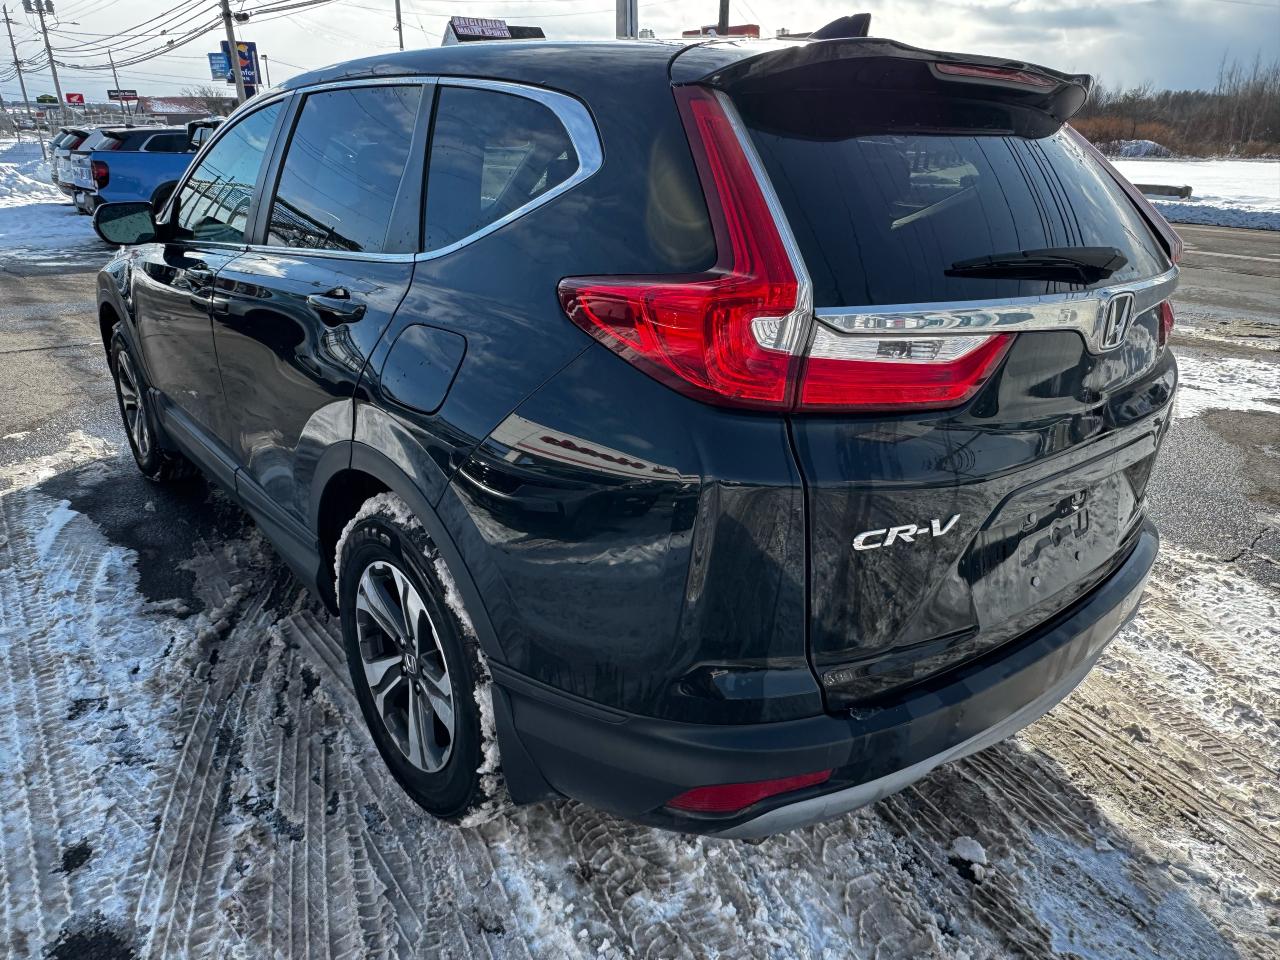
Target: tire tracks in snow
(239, 807)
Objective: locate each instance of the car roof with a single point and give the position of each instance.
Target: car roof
(549, 63)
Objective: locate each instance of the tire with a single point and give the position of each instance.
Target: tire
(138, 417)
(424, 662)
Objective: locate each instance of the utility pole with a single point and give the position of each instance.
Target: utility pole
(53, 67)
(400, 25)
(235, 53)
(22, 84)
(722, 24)
(266, 69)
(116, 77)
(627, 19)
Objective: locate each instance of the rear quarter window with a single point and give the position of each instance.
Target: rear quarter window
(880, 218)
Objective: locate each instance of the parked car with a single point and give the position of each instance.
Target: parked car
(115, 164)
(741, 430)
(60, 147)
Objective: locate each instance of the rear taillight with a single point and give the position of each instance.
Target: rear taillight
(870, 373)
(727, 335)
(101, 175)
(743, 333)
(1166, 322)
(732, 797)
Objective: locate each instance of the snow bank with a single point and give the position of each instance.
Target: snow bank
(1229, 193)
(1136, 148)
(1225, 383)
(38, 226)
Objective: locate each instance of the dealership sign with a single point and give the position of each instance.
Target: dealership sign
(219, 66)
(247, 51)
(122, 94)
(76, 98)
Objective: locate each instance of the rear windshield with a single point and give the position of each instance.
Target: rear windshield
(880, 217)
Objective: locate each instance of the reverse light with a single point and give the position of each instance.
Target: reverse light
(731, 797)
(867, 373)
(101, 173)
(1166, 323)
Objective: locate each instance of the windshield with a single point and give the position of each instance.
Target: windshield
(881, 218)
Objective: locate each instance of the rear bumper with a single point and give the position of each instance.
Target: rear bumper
(631, 765)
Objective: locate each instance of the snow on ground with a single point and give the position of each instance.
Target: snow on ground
(1229, 193)
(182, 784)
(1209, 382)
(39, 225)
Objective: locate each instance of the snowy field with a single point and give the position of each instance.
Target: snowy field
(1228, 193)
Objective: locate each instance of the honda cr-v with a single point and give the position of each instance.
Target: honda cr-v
(724, 434)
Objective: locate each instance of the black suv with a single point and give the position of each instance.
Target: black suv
(729, 432)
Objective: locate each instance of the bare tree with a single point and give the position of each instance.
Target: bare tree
(1240, 116)
(214, 99)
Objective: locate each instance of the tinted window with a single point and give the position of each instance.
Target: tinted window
(214, 202)
(879, 218)
(167, 143)
(491, 153)
(343, 168)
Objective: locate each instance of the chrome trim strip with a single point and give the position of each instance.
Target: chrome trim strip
(1085, 312)
(582, 134)
(795, 325)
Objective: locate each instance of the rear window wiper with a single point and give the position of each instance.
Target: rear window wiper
(1070, 264)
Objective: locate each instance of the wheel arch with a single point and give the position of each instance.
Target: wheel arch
(348, 475)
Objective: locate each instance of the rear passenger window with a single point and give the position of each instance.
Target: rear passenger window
(491, 154)
(214, 202)
(343, 169)
(167, 143)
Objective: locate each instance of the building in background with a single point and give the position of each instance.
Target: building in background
(472, 29)
(184, 109)
(751, 31)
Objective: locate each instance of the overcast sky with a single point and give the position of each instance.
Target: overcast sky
(1172, 44)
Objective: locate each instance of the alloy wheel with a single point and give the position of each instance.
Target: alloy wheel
(132, 404)
(404, 665)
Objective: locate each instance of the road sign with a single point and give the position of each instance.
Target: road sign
(46, 98)
(248, 51)
(77, 98)
(219, 65)
(122, 94)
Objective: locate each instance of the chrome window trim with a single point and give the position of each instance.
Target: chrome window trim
(569, 111)
(577, 122)
(1083, 311)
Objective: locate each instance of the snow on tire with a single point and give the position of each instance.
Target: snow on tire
(414, 654)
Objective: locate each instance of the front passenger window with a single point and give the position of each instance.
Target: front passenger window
(214, 202)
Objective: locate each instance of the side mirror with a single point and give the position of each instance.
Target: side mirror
(125, 223)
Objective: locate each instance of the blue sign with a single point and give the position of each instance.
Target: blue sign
(248, 52)
(219, 66)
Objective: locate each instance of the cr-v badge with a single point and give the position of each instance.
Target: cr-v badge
(907, 533)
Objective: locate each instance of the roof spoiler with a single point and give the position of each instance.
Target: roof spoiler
(1012, 87)
(858, 25)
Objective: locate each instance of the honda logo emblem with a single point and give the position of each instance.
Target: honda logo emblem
(1116, 314)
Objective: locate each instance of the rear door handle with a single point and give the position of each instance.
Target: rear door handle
(336, 307)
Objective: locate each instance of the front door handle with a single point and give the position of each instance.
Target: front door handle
(336, 307)
(199, 277)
